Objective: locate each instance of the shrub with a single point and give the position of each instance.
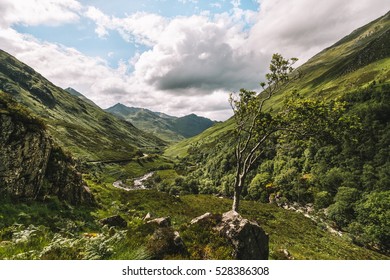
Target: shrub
(342, 211)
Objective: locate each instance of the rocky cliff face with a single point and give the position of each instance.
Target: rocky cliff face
(31, 165)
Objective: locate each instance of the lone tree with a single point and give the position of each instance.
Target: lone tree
(256, 127)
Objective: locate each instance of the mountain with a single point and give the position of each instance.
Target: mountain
(79, 95)
(77, 125)
(168, 128)
(345, 178)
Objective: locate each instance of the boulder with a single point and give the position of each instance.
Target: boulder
(147, 217)
(114, 221)
(161, 222)
(248, 239)
(164, 242)
(205, 218)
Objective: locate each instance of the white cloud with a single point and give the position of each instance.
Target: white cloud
(61, 65)
(140, 27)
(301, 28)
(192, 62)
(102, 21)
(35, 12)
(236, 3)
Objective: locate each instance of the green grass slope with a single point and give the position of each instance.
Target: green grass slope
(84, 129)
(30, 231)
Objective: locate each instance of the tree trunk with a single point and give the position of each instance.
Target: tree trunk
(236, 200)
(238, 186)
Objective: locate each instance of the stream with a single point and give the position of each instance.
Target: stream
(138, 183)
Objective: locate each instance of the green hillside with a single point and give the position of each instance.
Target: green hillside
(79, 95)
(168, 128)
(346, 178)
(84, 129)
(352, 63)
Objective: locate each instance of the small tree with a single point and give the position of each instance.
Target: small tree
(299, 118)
(254, 126)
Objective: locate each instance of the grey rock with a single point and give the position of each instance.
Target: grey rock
(249, 240)
(114, 221)
(205, 217)
(147, 217)
(165, 241)
(161, 222)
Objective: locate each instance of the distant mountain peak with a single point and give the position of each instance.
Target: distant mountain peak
(166, 127)
(74, 92)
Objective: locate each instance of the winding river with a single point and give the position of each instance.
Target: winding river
(138, 183)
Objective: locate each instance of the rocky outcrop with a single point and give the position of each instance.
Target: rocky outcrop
(114, 221)
(164, 242)
(31, 165)
(206, 218)
(24, 155)
(248, 239)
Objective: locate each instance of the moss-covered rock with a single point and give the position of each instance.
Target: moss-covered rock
(31, 165)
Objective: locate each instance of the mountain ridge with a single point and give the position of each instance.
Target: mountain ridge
(74, 92)
(79, 126)
(168, 128)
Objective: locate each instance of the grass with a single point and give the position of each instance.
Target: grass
(288, 230)
(138, 166)
(216, 132)
(61, 235)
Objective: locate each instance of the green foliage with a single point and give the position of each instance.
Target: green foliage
(342, 211)
(352, 151)
(205, 244)
(260, 186)
(372, 224)
(322, 199)
(19, 112)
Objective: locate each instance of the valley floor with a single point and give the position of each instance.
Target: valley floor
(31, 231)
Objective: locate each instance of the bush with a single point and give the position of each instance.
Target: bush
(372, 226)
(322, 199)
(257, 188)
(342, 211)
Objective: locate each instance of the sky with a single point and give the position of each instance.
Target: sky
(172, 56)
